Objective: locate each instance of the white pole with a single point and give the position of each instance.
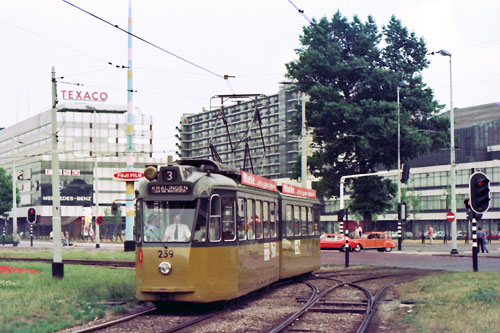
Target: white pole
(453, 181)
(303, 142)
(14, 200)
(96, 188)
(57, 264)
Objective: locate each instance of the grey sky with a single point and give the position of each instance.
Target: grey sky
(249, 39)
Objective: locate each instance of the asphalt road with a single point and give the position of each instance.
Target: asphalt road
(416, 255)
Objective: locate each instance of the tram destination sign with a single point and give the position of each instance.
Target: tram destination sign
(169, 189)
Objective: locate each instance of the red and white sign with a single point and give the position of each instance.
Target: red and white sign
(298, 191)
(76, 95)
(258, 181)
(450, 217)
(128, 175)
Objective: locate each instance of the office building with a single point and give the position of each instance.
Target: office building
(88, 136)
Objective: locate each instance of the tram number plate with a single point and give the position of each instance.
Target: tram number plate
(165, 253)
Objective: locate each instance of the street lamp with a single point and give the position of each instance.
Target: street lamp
(452, 161)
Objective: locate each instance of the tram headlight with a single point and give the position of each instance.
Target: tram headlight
(165, 268)
(150, 172)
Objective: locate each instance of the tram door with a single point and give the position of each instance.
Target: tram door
(221, 272)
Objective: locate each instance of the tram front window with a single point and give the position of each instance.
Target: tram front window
(168, 221)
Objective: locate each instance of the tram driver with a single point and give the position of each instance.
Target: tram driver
(177, 231)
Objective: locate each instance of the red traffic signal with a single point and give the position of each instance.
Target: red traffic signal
(31, 216)
(479, 192)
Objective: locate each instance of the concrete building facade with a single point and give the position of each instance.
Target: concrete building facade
(88, 136)
(281, 146)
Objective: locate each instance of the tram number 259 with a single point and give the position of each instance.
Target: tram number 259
(165, 253)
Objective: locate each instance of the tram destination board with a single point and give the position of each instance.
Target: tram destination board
(169, 189)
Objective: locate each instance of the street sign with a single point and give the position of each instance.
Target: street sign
(99, 220)
(450, 217)
(128, 175)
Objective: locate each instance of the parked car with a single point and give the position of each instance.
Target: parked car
(495, 235)
(376, 240)
(439, 235)
(461, 235)
(337, 242)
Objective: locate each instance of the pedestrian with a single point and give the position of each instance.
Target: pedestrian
(359, 231)
(430, 232)
(481, 240)
(423, 236)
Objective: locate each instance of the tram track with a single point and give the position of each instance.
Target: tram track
(90, 262)
(327, 307)
(338, 301)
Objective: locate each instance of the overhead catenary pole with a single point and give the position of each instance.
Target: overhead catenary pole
(129, 205)
(400, 239)
(303, 142)
(14, 199)
(96, 188)
(57, 264)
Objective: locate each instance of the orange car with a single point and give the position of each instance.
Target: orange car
(376, 240)
(337, 242)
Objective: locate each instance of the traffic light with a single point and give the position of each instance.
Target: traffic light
(479, 192)
(340, 215)
(31, 215)
(405, 173)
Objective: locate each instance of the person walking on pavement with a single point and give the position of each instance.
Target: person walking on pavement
(430, 232)
(481, 240)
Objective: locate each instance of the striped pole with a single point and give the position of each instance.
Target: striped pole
(474, 244)
(130, 213)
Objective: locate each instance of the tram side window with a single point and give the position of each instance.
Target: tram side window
(296, 218)
(310, 221)
(316, 221)
(250, 219)
(200, 234)
(265, 218)
(242, 235)
(272, 210)
(228, 222)
(289, 220)
(139, 217)
(258, 219)
(303, 218)
(215, 219)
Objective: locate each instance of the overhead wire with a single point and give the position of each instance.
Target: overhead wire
(301, 11)
(225, 77)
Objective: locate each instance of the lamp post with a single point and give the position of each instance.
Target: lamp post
(304, 98)
(399, 173)
(454, 249)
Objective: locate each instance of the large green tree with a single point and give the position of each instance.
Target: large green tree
(6, 193)
(352, 70)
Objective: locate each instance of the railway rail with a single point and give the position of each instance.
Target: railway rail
(336, 300)
(91, 262)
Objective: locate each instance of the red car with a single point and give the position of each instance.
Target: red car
(376, 240)
(337, 242)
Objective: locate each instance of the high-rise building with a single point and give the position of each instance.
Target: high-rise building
(86, 135)
(273, 154)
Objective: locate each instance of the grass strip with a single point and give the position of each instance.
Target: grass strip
(454, 302)
(41, 303)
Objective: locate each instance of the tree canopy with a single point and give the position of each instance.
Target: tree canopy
(6, 193)
(352, 71)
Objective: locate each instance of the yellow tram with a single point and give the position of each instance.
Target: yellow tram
(207, 232)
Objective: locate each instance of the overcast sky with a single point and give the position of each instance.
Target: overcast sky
(249, 39)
